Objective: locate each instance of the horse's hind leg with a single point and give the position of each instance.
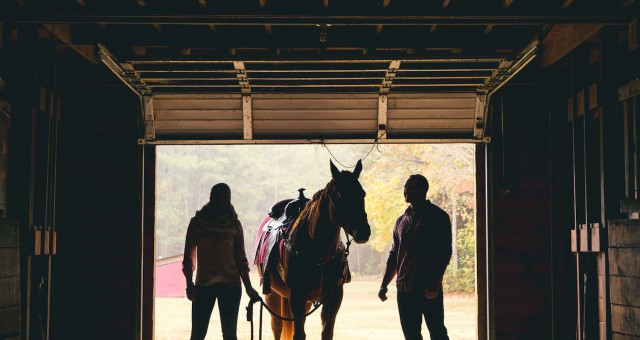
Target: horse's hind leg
(330, 311)
(273, 300)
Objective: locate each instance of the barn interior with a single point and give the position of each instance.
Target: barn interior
(547, 90)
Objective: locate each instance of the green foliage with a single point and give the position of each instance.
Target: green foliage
(260, 175)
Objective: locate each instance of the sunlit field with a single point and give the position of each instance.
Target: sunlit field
(362, 316)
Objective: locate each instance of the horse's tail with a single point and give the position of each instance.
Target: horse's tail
(287, 326)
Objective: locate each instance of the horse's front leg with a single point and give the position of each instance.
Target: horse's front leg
(298, 303)
(274, 301)
(330, 310)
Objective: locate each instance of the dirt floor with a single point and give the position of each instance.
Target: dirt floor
(362, 316)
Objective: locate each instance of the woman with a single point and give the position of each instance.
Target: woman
(216, 233)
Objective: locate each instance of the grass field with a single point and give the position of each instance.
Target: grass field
(362, 316)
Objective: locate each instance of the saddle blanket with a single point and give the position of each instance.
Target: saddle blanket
(270, 235)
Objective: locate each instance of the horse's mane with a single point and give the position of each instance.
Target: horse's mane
(310, 214)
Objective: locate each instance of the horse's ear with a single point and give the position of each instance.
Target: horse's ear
(358, 169)
(334, 171)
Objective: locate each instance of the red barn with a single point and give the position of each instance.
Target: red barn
(169, 279)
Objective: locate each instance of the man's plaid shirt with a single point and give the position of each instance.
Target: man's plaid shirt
(421, 247)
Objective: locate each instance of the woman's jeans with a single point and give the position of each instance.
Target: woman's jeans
(228, 296)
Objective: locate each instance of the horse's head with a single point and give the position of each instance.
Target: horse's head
(347, 203)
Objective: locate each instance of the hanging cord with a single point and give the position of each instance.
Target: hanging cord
(374, 145)
(316, 305)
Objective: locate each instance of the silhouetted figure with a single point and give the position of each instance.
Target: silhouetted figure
(419, 255)
(215, 245)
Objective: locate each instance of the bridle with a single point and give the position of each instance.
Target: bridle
(335, 211)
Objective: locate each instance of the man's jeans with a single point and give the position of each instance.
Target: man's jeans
(412, 306)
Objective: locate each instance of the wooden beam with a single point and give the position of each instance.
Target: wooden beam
(61, 32)
(139, 50)
(406, 17)
(562, 39)
(382, 116)
(149, 118)
(566, 3)
(247, 117)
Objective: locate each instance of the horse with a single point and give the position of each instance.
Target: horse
(312, 263)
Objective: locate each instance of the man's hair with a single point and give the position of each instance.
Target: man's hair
(218, 188)
(421, 180)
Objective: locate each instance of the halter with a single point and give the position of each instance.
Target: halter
(340, 213)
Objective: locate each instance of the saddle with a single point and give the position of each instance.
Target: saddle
(272, 232)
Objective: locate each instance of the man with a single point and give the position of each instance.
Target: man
(419, 255)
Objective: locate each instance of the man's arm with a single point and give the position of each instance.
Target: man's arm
(389, 273)
(391, 269)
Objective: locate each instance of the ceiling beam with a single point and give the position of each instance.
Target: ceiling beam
(562, 39)
(450, 17)
(566, 3)
(299, 39)
(62, 33)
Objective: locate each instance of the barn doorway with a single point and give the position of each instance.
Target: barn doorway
(260, 175)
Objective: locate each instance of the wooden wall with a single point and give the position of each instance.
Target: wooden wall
(522, 245)
(624, 262)
(96, 274)
(75, 168)
(10, 308)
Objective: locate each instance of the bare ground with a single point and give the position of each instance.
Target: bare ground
(362, 316)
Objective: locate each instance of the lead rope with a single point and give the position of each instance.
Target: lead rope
(264, 305)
